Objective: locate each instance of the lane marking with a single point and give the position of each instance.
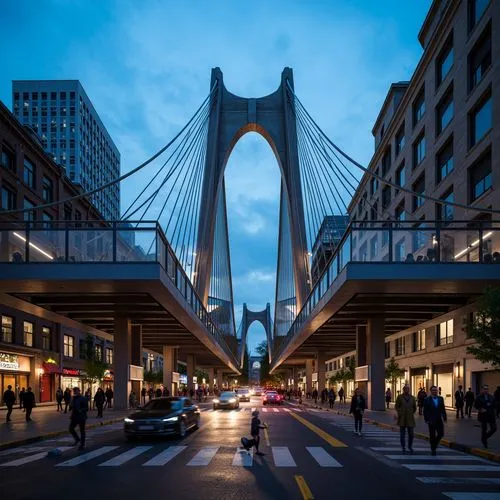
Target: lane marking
(32, 458)
(415, 448)
(454, 468)
(434, 458)
(276, 410)
(203, 457)
(242, 458)
(459, 480)
(323, 458)
(87, 456)
(282, 457)
(320, 432)
(125, 457)
(456, 495)
(165, 456)
(304, 489)
(264, 410)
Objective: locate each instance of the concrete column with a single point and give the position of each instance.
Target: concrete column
(190, 370)
(294, 378)
(361, 355)
(375, 357)
(169, 366)
(136, 357)
(211, 376)
(321, 369)
(122, 345)
(309, 375)
(219, 379)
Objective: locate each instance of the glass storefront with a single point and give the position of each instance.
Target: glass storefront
(443, 378)
(14, 371)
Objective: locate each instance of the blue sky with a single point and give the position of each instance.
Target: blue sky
(146, 67)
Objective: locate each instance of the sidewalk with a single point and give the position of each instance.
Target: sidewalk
(460, 434)
(46, 423)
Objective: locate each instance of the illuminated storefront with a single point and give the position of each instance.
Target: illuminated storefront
(14, 371)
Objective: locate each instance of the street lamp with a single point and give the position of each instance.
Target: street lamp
(457, 370)
(40, 372)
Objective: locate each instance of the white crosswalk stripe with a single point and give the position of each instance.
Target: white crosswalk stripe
(323, 458)
(165, 456)
(456, 495)
(282, 457)
(415, 448)
(493, 481)
(32, 458)
(242, 458)
(87, 456)
(125, 457)
(454, 458)
(276, 410)
(453, 467)
(204, 456)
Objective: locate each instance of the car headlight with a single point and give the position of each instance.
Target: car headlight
(128, 420)
(215, 401)
(170, 419)
(232, 400)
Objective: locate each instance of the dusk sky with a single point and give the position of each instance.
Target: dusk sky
(146, 68)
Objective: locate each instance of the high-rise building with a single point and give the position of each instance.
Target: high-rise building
(70, 130)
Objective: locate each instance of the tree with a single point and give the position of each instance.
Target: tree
(261, 350)
(200, 375)
(153, 377)
(485, 329)
(393, 372)
(343, 375)
(95, 367)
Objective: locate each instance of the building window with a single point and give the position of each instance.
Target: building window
(418, 187)
(419, 340)
(400, 212)
(400, 139)
(480, 120)
(28, 333)
(8, 160)
(479, 60)
(386, 196)
(29, 174)
(374, 183)
(29, 216)
(8, 198)
(47, 190)
(444, 62)
(374, 248)
(419, 107)
(445, 213)
(444, 161)
(47, 220)
(109, 356)
(82, 349)
(7, 329)
(480, 176)
(419, 150)
(386, 161)
(400, 346)
(400, 175)
(46, 338)
(476, 10)
(444, 111)
(387, 350)
(98, 352)
(445, 332)
(69, 346)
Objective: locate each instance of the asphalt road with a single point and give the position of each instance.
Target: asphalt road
(308, 454)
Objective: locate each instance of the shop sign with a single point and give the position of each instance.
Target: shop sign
(108, 375)
(9, 361)
(183, 378)
(71, 372)
(49, 367)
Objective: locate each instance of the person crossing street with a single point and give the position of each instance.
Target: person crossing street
(79, 409)
(358, 406)
(434, 416)
(255, 427)
(406, 406)
(485, 405)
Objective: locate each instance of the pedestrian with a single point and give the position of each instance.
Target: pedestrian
(59, 399)
(67, 399)
(434, 416)
(9, 399)
(79, 408)
(420, 400)
(331, 397)
(496, 395)
(315, 396)
(459, 401)
(341, 395)
(28, 403)
(406, 406)
(485, 404)
(150, 393)
(109, 397)
(358, 406)
(88, 397)
(132, 399)
(99, 401)
(255, 427)
(158, 393)
(191, 393)
(470, 398)
(143, 395)
(21, 399)
(388, 397)
(324, 395)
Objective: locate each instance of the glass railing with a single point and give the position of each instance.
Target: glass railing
(402, 243)
(116, 242)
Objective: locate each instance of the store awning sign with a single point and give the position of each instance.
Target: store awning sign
(9, 361)
(71, 372)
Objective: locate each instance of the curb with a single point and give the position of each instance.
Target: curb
(471, 450)
(48, 435)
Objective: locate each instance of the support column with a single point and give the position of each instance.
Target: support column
(219, 379)
(309, 376)
(321, 369)
(169, 367)
(375, 357)
(190, 371)
(211, 376)
(136, 357)
(361, 355)
(122, 345)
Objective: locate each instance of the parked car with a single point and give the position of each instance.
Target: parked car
(226, 400)
(163, 416)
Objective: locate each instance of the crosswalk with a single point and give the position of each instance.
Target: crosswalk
(153, 456)
(248, 409)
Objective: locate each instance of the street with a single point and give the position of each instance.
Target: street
(308, 454)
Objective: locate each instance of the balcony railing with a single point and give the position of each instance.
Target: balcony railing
(403, 243)
(78, 242)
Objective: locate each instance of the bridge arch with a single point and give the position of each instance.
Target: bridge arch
(248, 317)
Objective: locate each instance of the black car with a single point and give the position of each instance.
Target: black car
(163, 416)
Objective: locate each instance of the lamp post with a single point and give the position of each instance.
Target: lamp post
(40, 372)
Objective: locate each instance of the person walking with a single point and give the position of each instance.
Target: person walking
(255, 427)
(470, 398)
(143, 395)
(132, 400)
(420, 400)
(496, 395)
(99, 399)
(79, 409)
(59, 399)
(9, 399)
(67, 399)
(109, 397)
(434, 416)
(315, 396)
(388, 397)
(150, 393)
(88, 397)
(21, 399)
(459, 401)
(28, 403)
(331, 397)
(358, 406)
(341, 395)
(406, 407)
(158, 393)
(485, 404)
